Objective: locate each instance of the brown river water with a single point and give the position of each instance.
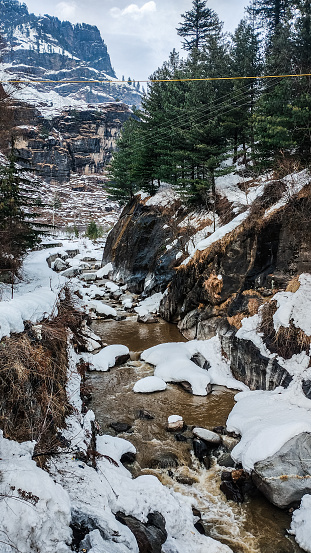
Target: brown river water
(254, 526)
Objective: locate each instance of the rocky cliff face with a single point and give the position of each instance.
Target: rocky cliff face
(74, 142)
(47, 49)
(229, 280)
(137, 247)
(254, 260)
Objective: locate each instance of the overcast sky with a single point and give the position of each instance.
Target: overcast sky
(139, 35)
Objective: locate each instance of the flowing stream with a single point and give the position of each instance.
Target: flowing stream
(254, 526)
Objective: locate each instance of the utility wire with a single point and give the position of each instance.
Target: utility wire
(208, 114)
(40, 81)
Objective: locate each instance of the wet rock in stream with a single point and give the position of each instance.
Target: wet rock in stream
(147, 319)
(120, 427)
(225, 460)
(202, 452)
(236, 484)
(121, 359)
(207, 436)
(144, 414)
(164, 460)
(149, 536)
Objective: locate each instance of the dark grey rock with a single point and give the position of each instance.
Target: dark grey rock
(251, 367)
(286, 476)
(147, 319)
(121, 359)
(120, 427)
(128, 458)
(200, 360)
(180, 437)
(201, 451)
(149, 536)
(225, 460)
(306, 388)
(144, 414)
(164, 460)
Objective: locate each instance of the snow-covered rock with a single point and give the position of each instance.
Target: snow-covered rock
(104, 271)
(175, 423)
(295, 306)
(266, 421)
(180, 370)
(149, 384)
(219, 371)
(149, 305)
(301, 524)
(88, 277)
(285, 477)
(106, 358)
(102, 309)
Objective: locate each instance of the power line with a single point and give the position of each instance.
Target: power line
(200, 113)
(97, 81)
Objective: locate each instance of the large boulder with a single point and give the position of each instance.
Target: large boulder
(150, 535)
(286, 476)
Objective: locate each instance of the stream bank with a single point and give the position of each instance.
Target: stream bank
(255, 526)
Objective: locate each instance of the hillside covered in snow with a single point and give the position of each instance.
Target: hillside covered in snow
(46, 49)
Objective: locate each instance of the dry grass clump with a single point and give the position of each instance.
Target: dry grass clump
(33, 377)
(213, 285)
(236, 320)
(285, 166)
(287, 341)
(224, 209)
(253, 306)
(293, 285)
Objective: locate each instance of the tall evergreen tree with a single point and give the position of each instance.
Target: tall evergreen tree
(301, 105)
(16, 231)
(272, 13)
(245, 62)
(199, 22)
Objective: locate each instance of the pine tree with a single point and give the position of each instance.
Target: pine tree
(273, 13)
(199, 22)
(301, 104)
(245, 62)
(121, 183)
(16, 231)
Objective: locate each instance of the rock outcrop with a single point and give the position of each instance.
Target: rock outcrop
(232, 278)
(222, 284)
(286, 476)
(79, 142)
(136, 247)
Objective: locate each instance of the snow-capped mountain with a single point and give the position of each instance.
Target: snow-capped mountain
(47, 49)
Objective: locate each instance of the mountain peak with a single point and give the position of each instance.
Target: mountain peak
(44, 48)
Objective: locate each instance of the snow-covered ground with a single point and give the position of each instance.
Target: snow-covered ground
(265, 420)
(36, 506)
(76, 203)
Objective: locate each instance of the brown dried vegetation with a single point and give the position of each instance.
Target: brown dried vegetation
(213, 285)
(287, 341)
(223, 209)
(33, 377)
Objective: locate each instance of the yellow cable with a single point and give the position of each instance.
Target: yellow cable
(157, 80)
